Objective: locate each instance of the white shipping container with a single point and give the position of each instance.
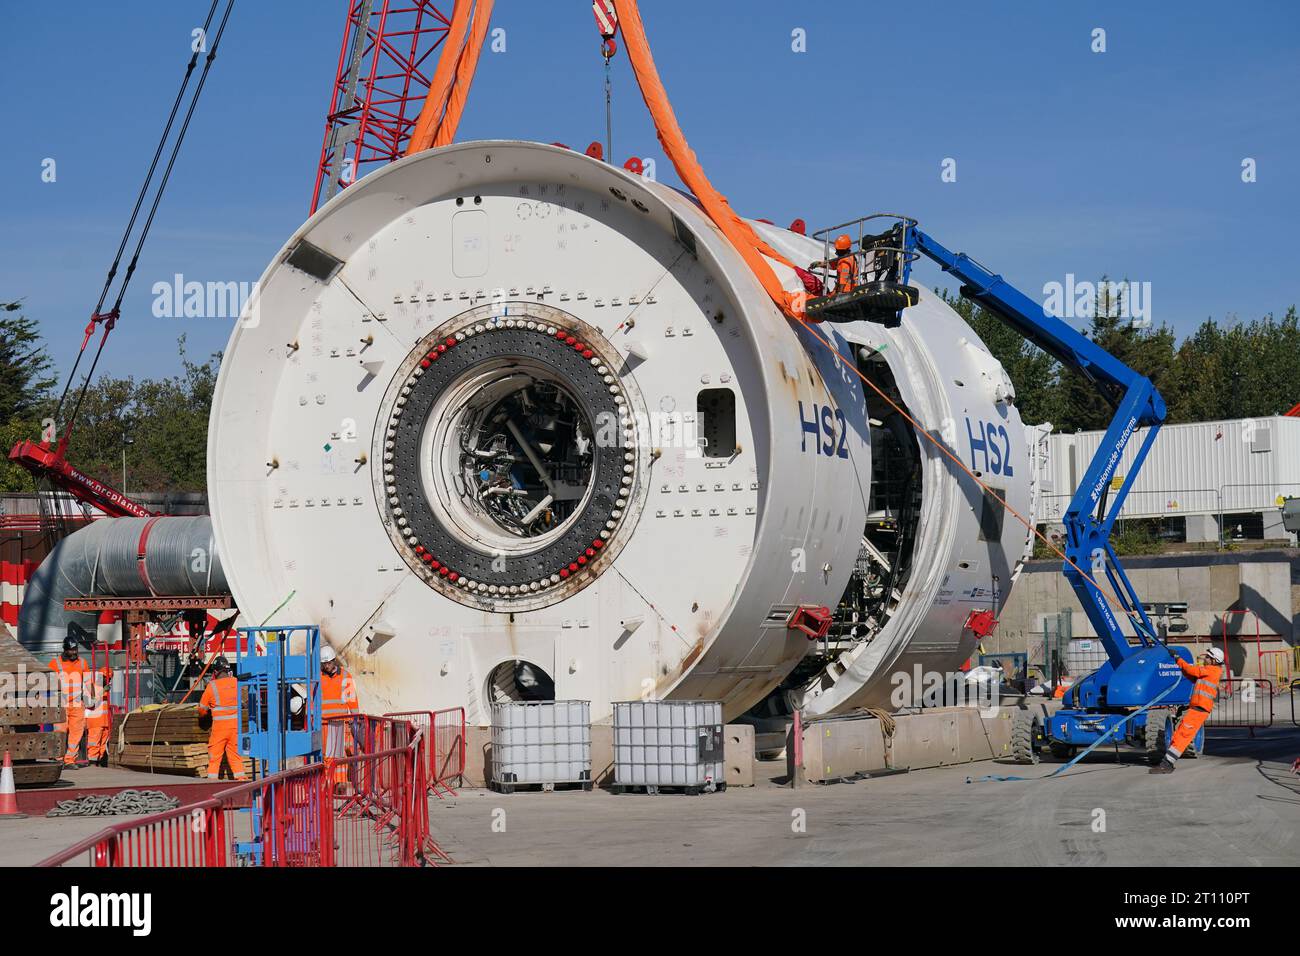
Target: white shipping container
(668, 743)
(541, 742)
(1225, 466)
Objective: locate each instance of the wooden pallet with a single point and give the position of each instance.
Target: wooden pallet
(652, 789)
(189, 760)
(173, 724)
(37, 753)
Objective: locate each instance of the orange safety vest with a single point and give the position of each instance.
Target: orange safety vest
(338, 695)
(72, 678)
(1206, 690)
(97, 695)
(221, 697)
(846, 273)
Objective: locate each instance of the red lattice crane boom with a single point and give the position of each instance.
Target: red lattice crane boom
(384, 70)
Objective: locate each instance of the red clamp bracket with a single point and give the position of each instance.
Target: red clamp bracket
(813, 621)
(982, 623)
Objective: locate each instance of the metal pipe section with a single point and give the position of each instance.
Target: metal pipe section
(117, 557)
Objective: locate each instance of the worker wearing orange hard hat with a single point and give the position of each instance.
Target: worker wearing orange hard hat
(338, 698)
(221, 700)
(1206, 690)
(846, 264)
(99, 720)
(72, 680)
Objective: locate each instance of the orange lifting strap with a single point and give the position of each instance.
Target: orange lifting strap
(449, 89)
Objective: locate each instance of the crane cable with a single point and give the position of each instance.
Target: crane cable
(139, 201)
(437, 124)
(109, 318)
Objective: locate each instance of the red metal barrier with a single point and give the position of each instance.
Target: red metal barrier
(444, 745)
(370, 809)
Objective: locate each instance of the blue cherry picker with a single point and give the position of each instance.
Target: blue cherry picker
(1134, 696)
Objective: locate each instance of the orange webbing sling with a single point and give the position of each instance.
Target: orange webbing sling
(449, 91)
(751, 248)
(449, 88)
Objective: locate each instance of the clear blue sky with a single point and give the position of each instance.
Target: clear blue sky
(1126, 163)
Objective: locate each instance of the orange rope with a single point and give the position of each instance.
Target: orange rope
(465, 70)
(430, 118)
(738, 232)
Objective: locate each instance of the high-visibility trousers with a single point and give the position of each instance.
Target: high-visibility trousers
(97, 730)
(224, 742)
(75, 728)
(1185, 732)
(336, 743)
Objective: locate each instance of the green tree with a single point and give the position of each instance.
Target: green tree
(161, 424)
(1238, 370)
(1149, 351)
(25, 378)
(25, 382)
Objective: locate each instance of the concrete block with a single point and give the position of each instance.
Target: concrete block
(841, 748)
(925, 740)
(844, 746)
(984, 737)
(1194, 586)
(478, 756)
(1159, 585)
(738, 754)
(1202, 528)
(1225, 586)
(602, 752)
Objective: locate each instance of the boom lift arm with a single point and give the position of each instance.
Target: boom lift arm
(1122, 694)
(1092, 511)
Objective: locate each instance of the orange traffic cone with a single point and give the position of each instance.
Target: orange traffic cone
(8, 795)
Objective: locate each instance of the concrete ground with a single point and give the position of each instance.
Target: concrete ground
(27, 841)
(1240, 806)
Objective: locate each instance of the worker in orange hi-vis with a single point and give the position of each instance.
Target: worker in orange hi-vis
(98, 719)
(221, 700)
(338, 698)
(72, 679)
(1206, 690)
(846, 264)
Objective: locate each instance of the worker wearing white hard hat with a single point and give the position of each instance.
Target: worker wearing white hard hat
(338, 694)
(1205, 691)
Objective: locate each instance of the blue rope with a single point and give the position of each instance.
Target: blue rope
(991, 778)
(1102, 739)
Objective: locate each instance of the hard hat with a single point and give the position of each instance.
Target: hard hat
(327, 654)
(70, 644)
(221, 664)
(1215, 655)
(843, 243)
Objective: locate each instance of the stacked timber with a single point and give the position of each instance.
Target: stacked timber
(29, 703)
(168, 738)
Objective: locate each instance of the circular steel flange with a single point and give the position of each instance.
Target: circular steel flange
(439, 377)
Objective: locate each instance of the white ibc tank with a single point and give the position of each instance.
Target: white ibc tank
(511, 423)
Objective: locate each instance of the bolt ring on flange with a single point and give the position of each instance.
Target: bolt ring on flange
(434, 391)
